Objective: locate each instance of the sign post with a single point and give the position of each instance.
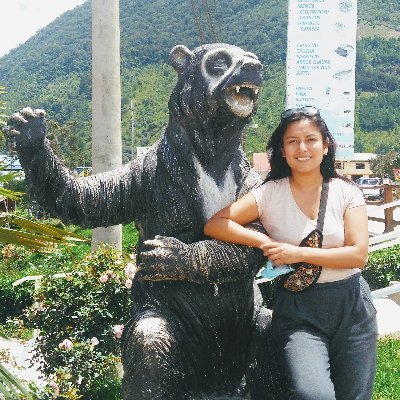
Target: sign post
(320, 66)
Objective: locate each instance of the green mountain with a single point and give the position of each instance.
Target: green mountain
(52, 69)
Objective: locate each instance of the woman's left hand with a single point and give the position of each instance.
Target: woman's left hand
(281, 253)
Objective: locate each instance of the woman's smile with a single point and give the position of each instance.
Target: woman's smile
(303, 158)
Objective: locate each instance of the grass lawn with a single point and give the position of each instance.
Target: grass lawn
(387, 382)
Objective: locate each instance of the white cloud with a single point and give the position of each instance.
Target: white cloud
(21, 19)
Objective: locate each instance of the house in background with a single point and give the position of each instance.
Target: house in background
(358, 167)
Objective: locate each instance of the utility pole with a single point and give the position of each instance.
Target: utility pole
(132, 129)
(106, 102)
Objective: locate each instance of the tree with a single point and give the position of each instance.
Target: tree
(68, 144)
(383, 165)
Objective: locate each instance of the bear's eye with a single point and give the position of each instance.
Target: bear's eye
(218, 64)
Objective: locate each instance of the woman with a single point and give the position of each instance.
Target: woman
(325, 335)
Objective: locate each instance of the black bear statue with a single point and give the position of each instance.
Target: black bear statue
(198, 329)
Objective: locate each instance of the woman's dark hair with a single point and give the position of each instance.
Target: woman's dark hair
(279, 166)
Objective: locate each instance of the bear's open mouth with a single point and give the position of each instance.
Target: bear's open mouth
(241, 98)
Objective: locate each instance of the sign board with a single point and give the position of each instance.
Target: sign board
(396, 173)
(320, 65)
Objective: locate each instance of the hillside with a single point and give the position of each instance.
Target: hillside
(52, 69)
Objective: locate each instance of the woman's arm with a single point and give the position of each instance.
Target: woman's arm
(228, 223)
(353, 254)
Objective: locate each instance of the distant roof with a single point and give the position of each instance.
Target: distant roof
(260, 162)
(360, 157)
(364, 156)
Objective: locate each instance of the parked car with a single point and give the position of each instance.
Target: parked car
(369, 190)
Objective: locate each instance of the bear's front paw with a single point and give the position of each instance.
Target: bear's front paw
(26, 129)
(164, 258)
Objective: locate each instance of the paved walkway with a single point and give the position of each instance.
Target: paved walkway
(388, 317)
(15, 356)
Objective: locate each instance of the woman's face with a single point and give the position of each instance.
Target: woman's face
(303, 147)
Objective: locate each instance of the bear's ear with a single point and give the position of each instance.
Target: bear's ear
(179, 58)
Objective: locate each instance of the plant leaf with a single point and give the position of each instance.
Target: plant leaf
(10, 385)
(35, 235)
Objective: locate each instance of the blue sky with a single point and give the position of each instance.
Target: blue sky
(21, 19)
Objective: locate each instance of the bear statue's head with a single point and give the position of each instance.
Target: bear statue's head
(216, 78)
(215, 95)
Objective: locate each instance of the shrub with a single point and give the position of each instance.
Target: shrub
(17, 262)
(382, 267)
(13, 301)
(80, 318)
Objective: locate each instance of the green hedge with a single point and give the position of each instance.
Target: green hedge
(13, 300)
(382, 267)
(17, 262)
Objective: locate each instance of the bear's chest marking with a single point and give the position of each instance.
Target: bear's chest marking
(215, 196)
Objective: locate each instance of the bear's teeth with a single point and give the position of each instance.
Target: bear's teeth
(237, 89)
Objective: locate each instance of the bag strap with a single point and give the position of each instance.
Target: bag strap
(322, 204)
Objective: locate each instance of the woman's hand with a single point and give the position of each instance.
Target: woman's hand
(282, 253)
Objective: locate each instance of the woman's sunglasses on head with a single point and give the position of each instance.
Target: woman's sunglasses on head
(308, 111)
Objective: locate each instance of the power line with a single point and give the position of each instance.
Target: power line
(203, 15)
(197, 22)
(209, 20)
(216, 27)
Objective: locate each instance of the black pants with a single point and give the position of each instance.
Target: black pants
(326, 338)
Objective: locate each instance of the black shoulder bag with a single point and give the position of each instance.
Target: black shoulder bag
(305, 275)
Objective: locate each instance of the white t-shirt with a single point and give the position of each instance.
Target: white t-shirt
(285, 222)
